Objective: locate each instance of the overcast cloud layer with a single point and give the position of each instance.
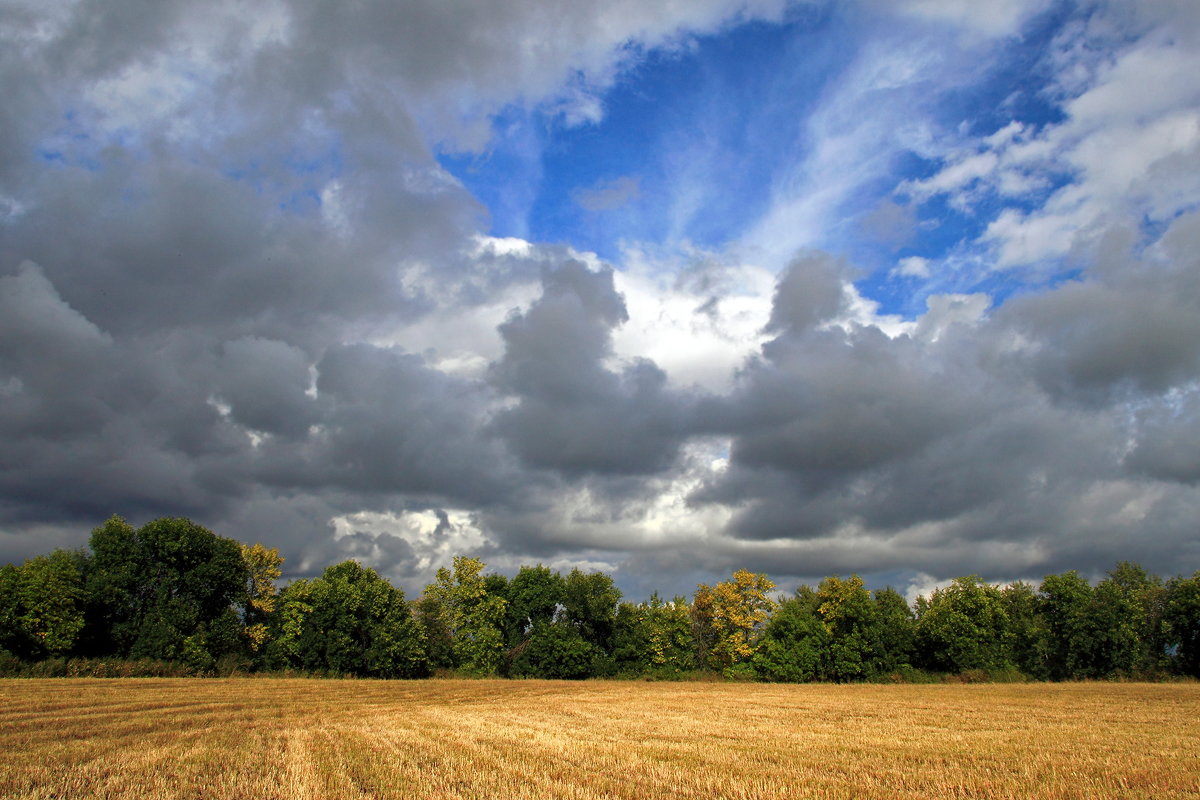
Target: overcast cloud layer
(906, 289)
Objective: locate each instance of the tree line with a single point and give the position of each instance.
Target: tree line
(174, 593)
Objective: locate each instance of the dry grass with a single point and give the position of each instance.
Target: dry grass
(295, 739)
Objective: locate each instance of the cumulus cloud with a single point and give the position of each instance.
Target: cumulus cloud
(573, 412)
(998, 439)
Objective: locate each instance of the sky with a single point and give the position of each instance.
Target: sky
(908, 289)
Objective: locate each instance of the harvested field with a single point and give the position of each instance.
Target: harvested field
(294, 739)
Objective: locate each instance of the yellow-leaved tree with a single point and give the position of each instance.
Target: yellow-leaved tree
(729, 617)
(262, 570)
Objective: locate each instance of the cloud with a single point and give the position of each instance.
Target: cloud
(697, 315)
(913, 267)
(607, 195)
(237, 283)
(994, 442)
(1002, 18)
(1168, 442)
(891, 223)
(810, 292)
(875, 107)
(573, 413)
(1127, 146)
(1133, 328)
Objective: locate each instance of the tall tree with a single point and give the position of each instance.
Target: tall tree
(473, 617)
(554, 649)
(794, 641)
(1028, 629)
(349, 620)
(1181, 624)
(895, 633)
(11, 637)
(534, 594)
(291, 642)
(163, 591)
(439, 642)
(1114, 623)
(965, 626)
(1146, 595)
(590, 604)
(41, 610)
(654, 637)
(1064, 603)
(262, 570)
(730, 616)
(848, 614)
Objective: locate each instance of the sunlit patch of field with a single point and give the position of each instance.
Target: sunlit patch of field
(294, 739)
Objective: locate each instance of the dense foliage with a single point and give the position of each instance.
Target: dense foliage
(172, 597)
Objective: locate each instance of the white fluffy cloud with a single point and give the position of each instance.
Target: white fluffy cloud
(1129, 146)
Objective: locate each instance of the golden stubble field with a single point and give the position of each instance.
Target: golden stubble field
(296, 739)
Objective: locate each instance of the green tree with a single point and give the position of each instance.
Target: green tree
(1064, 603)
(654, 638)
(1093, 632)
(1145, 594)
(895, 633)
(965, 626)
(291, 642)
(1114, 621)
(439, 643)
(590, 604)
(116, 589)
(556, 650)
(162, 591)
(534, 594)
(1181, 624)
(349, 620)
(473, 617)
(41, 611)
(11, 638)
(794, 642)
(1028, 629)
(848, 614)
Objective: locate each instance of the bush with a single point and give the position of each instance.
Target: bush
(1003, 675)
(9, 664)
(740, 673)
(908, 674)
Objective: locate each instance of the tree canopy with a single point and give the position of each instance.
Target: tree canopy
(175, 592)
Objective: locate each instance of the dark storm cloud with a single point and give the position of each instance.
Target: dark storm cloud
(573, 412)
(1168, 444)
(195, 271)
(193, 268)
(1141, 335)
(266, 384)
(391, 425)
(997, 447)
(89, 424)
(137, 250)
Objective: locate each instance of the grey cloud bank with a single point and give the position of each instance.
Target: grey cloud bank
(214, 226)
